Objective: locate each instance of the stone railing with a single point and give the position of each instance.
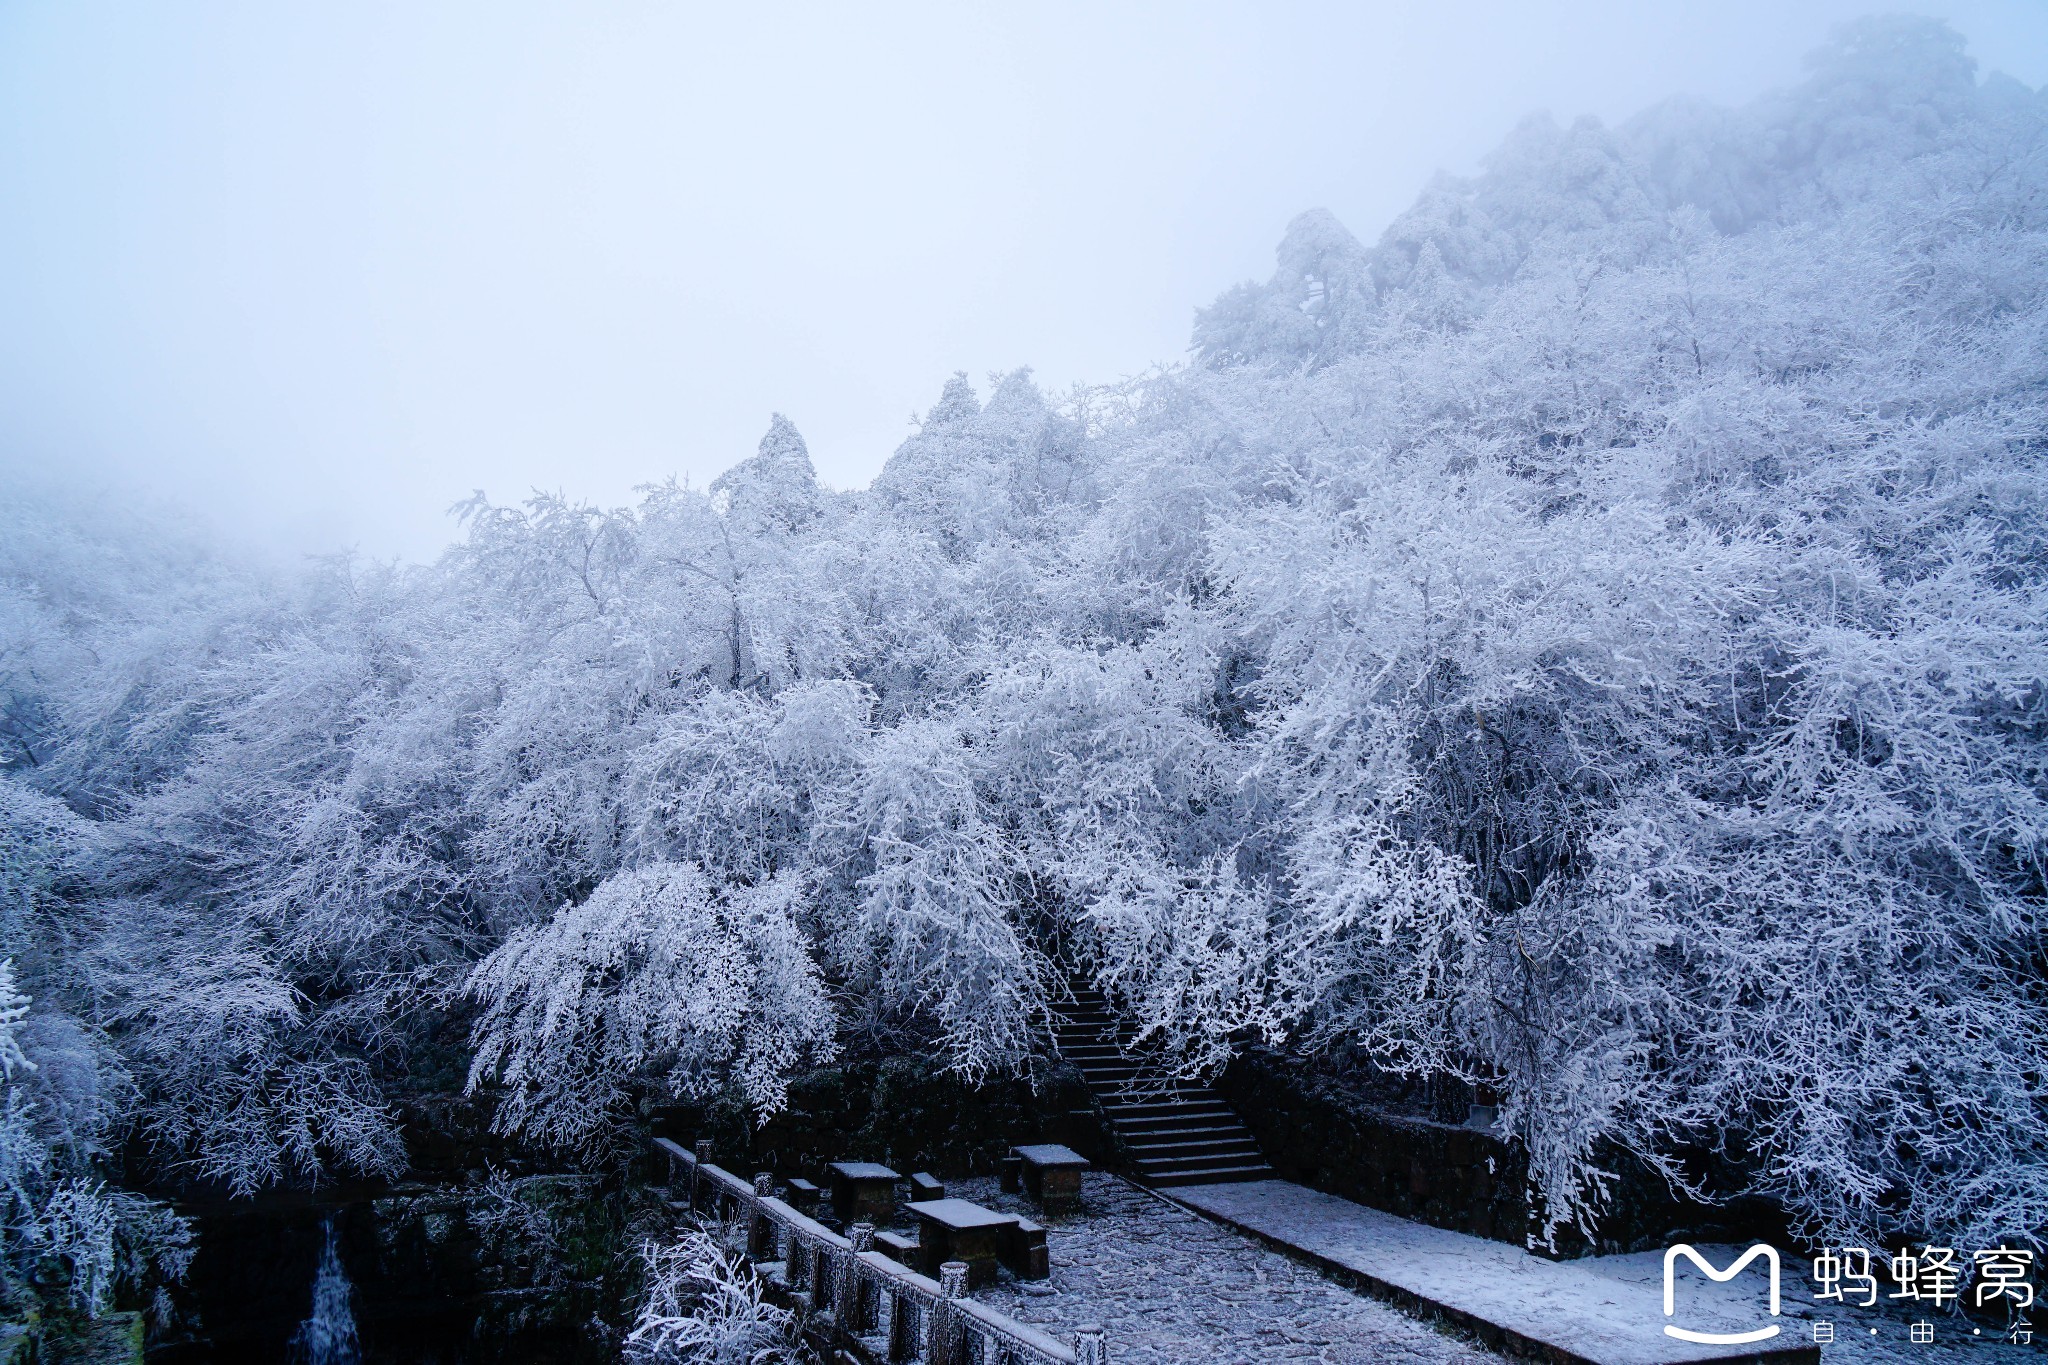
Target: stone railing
(892, 1313)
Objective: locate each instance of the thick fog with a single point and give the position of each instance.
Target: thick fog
(321, 273)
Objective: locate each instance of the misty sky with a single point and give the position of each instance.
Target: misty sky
(321, 270)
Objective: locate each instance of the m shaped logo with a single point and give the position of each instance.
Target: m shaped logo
(1763, 1249)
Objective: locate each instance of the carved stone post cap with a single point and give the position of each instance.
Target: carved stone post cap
(1088, 1346)
(953, 1279)
(862, 1235)
(764, 1184)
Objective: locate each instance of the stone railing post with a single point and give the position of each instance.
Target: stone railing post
(697, 1172)
(887, 1319)
(796, 1273)
(1088, 1347)
(824, 1276)
(853, 1311)
(946, 1333)
(761, 1228)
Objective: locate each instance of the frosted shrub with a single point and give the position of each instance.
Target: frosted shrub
(705, 1306)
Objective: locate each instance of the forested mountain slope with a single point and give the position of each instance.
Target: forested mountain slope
(1590, 642)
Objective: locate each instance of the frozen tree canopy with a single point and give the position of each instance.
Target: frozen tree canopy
(1592, 641)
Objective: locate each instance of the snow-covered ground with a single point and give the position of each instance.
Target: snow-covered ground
(1174, 1288)
(1170, 1286)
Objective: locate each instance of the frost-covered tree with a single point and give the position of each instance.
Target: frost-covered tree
(69, 1245)
(1608, 636)
(661, 973)
(1586, 641)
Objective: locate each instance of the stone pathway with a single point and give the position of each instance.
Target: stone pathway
(1173, 1288)
(1607, 1309)
(1560, 1309)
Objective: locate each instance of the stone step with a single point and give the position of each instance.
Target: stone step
(1148, 1138)
(1163, 1168)
(1210, 1149)
(1143, 1104)
(1145, 1144)
(1147, 1124)
(1178, 1106)
(1176, 1131)
(1186, 1111)
(1215, 1175)
(1212, 1131)
(1152, 1083)
(1122, 1103)
(1162, 1097)
(1225, 1153)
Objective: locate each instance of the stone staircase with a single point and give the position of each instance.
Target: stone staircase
(1177, 1132)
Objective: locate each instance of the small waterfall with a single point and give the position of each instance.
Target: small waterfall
(328, 1336)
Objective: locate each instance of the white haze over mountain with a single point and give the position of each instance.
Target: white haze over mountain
(1589, 642)
(321, 271)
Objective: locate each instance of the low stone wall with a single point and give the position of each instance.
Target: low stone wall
(1457, 1178)
(1464, 1179)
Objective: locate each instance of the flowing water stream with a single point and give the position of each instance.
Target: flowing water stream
(328, 1335)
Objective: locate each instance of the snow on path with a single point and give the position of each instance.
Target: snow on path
(1612, 1319)
(1173, 1288)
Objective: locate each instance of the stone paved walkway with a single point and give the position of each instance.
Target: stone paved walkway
(1561, 1309)
(1603, 1308)
(1173, 1288)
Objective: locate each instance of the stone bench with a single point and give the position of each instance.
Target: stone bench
(955, 1230)
(898, 1248)
(1024, 1252)
(804, 1197)
(1052, 1175)
(863, 1191)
